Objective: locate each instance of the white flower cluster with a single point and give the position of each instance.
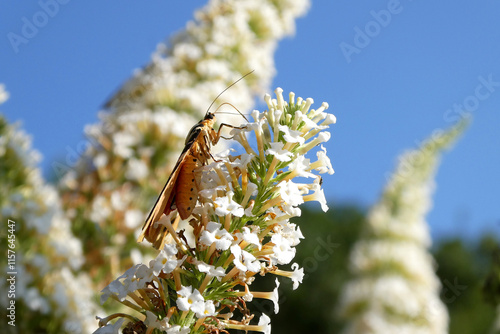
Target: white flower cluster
(47, 252)
(135, 144)
(395, 289)
(227, 39)
(241, 226)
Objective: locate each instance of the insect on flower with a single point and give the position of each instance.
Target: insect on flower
(181, 190)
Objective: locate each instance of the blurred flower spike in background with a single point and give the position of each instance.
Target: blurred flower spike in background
(394, 288)
(240, 227)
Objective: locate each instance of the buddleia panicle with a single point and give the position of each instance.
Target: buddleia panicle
(394, 287)
(239, 230)
(49, 286)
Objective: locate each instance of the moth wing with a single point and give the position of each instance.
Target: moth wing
(186, 189)
(162, 205)
(156, 235)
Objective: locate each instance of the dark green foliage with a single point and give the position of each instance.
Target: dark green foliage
(462, 268)
(491, 286)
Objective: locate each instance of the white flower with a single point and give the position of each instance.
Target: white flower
(300, 167)
(321, 138)
(291, 136)
(291, 211)
(283, 252)
(214, 233)
(126, 283)
(290, 193)
(292, 233)
(187, 297)
(115, 288)
(279, 153)
(250, 237)
(245, 261)
(275, 297)
(143, 275)
(204, 309)
(166, 260)
(323, 165)
(185, 291)
(218, 272)
(225, 205)
(264, 324)
(297, 276)
(318, 195)
(329, 119)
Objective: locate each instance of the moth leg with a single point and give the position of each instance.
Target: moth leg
(218, 135)
(205, 149)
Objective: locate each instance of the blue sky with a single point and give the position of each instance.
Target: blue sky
(392, 72)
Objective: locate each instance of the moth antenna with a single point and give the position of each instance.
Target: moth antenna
(233, 107)
(231, 85)
(230, 113)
